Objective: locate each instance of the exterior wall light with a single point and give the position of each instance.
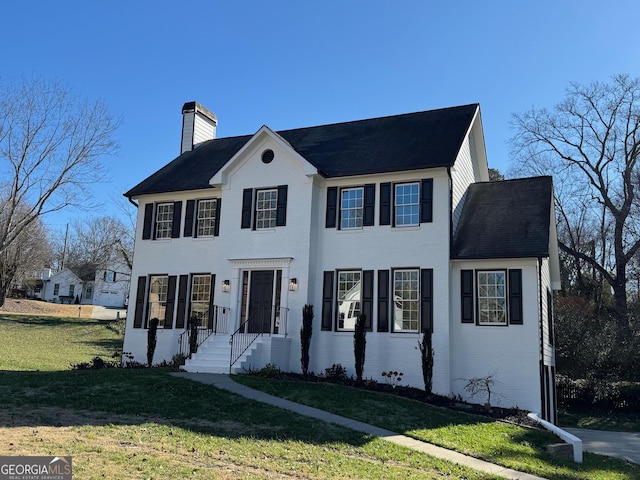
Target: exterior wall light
(293, 284)
(226, 286)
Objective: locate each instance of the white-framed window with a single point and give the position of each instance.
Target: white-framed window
(407, 204)
(164, 220)
(109, 276)
(200, 295)
(406, 300)
(266, 209)
(349, 298)
(206, 218)
(72, 289)
(158, 288)
(351, 208)
(56, 289)
(492, 297)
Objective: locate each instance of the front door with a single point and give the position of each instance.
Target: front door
(260, 301)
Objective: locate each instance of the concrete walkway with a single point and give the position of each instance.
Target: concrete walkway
(107, 313)
(224, 382)
(613, 444)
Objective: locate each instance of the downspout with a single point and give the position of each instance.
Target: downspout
(450, 211)
(132, 202)
(542, 372)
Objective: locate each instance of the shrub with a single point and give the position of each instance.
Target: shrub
(270, 370)
(426, 355)
(336, 373)
(305, 336)
(152, 339)
(96, 363)
(360, 345)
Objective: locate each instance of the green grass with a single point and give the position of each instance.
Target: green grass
(52, 343)
(122, 423)
(498, 442)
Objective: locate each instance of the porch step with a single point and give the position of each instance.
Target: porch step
(214, 354)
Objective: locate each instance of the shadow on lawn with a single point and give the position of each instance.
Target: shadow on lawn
(141, 396)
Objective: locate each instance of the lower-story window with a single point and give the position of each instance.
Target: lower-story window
(406, 300)
(492, 297)
(158, 288)
(200, 294)
(349, 298)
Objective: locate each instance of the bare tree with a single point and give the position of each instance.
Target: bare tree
(94, 244)
(25, 258)
(50, 144)
(590, 142)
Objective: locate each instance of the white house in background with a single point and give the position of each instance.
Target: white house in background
(111, 285)
(63, 287)
(391, 217)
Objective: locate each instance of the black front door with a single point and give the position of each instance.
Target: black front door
(260, 301)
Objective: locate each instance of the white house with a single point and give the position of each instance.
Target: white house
(62, 287)
(111, 285)
(390, 217)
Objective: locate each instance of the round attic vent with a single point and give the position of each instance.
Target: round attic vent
(267, 156)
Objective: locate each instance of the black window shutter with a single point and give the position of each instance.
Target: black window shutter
(515, 297)
(426, 200)
(281, 209)
(466, 296)
(148, 221)
(383, 300)
(216, 227)
(211, 307)
(368, 213)
(188, 218)
(171, 301)
(327, 300)
(177, 216)
(247, 198)
(426, 300)
(332, 207)
(385, 203)
(367, 297)
(182, 301)
(140, 293)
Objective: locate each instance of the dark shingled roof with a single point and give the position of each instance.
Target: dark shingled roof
(507, 219)
(397, 143)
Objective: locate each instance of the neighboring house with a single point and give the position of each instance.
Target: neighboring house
(111, 285)
(391, 217)
(63, 287)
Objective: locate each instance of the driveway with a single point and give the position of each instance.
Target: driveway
(613, 444)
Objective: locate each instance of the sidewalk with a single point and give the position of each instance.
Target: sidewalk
(224, 382)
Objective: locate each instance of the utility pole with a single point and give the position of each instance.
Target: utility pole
(64, 248)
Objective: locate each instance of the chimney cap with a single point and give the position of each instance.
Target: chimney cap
(197, 108)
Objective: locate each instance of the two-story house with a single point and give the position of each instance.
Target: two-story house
(389, 217)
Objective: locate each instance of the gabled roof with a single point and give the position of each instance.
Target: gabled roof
(507, 219)
(397, 143)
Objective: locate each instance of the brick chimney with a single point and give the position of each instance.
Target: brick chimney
(198, 125)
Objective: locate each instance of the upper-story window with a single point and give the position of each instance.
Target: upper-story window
(266, 209)
(206, 218)
(56, 288)
(72, 289)
(164, 220)
(351, 206)
(407, 204)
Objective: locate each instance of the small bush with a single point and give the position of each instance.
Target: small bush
(336, 373)
(270, 370)
(96, 363)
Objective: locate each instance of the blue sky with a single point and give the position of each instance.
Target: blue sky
(289, 64)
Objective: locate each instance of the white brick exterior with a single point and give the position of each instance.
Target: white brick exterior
(304, 248)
